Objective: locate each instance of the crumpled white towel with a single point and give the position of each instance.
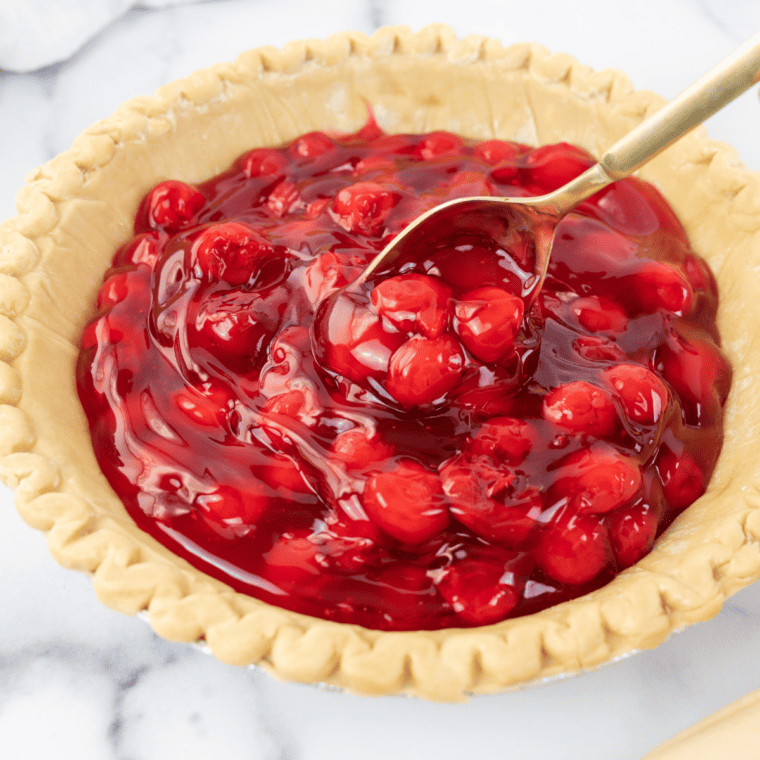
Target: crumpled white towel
(37, 33)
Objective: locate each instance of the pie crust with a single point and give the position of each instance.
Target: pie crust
(77, 209)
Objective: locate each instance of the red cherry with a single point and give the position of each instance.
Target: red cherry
(358, 450)
(480, 587)
(407, 502)
(624, 209)
(507, 174)
(364, 207)
(284, 199)
(352, 342)
(234, 326)
(597, 314)
(374, 163)
(584, 247)
(170, 206)
(346, 546)
(298, 404)
(468, 265)
(637, 194)
(504, 438)
(316, 207)
(643, 394)
(437, 144)
(413, 302)
(573, 548)
(632, 530)
(231, 252)
(700, 276)
(496, 151)
(284, 475)
(326, 273)
(467, 183)
(424, 369)
(354, 526)
(408, 208)
(634, 207)
(294, 561)
(311, 145)
(263, 162)
(581, 408)
(658, 286)
(488, 320)
(208, 405)
(467, 479)
(231, 511)
(596, 349)
(597, 481)
(406, 592)
(104, 333)
(488, 393)
(551, 166)
(141, 249)
(483, 499)
(683, 480)
(698, 373)
(115, 289)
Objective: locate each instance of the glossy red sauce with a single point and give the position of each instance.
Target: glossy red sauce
(432, 456)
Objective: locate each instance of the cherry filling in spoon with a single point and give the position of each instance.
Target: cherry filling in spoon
(409, 336)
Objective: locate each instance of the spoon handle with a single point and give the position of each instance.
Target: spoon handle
(729, 79)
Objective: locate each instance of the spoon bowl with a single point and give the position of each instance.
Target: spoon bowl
(490, 217)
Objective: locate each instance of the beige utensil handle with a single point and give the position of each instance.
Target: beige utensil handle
(732, 733)
(729, 79)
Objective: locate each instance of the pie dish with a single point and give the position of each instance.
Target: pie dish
(78, 209)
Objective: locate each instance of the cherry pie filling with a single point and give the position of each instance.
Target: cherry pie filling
(426, 452)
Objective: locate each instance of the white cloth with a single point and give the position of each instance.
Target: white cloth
(38, 33)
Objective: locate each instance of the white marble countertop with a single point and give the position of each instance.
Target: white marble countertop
(77, 680)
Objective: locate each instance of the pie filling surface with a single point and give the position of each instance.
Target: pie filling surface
(427, 452)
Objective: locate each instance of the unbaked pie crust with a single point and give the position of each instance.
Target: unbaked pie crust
(76, 210)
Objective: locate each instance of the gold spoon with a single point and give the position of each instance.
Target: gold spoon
(540, 215)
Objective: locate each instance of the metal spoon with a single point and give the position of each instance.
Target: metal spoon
(540, 215)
